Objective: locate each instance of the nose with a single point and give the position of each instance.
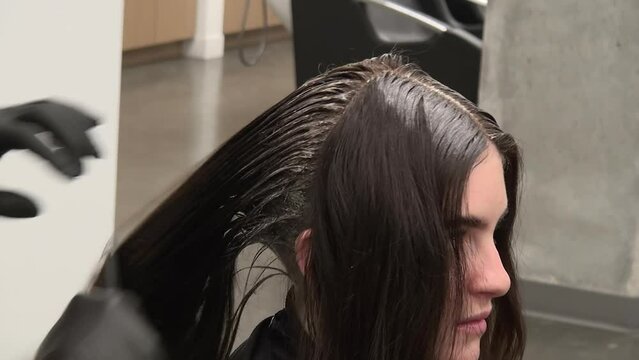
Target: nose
(488, 277)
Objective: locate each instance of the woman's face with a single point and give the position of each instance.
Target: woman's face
(484, 204)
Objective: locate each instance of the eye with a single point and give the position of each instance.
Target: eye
(459, 233)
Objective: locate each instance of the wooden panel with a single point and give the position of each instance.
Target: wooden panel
(175, 20)
(139, 23)
(234, 10)
(152, 54)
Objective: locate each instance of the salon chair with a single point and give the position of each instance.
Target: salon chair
(329, 33)
(462, 14)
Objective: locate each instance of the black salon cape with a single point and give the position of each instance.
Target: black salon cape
(275, 338)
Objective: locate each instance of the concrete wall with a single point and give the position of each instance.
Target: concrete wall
(563, 77)
(70, 50)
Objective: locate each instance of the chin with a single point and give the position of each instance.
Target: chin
(468, 350)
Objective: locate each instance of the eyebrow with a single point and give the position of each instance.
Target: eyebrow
(473, 222)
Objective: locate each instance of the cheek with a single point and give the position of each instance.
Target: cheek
(474, 255)
(474, 261)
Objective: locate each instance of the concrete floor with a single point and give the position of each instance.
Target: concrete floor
(175, 113)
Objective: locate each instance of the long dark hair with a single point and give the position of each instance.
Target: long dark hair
(373, 157)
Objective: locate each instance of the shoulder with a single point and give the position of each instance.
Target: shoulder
(272, 339)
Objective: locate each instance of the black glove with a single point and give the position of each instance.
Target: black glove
(103, 325)
(26, 127)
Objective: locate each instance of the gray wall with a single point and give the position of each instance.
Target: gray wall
(563, 77)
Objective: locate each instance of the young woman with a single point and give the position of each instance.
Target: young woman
(389, 198)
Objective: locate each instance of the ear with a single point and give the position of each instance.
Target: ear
(303, 249)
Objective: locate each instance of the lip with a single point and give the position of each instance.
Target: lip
(474, 325)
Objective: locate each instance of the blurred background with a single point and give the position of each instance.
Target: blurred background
(171, 80)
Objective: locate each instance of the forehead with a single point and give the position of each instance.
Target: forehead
(485, 193)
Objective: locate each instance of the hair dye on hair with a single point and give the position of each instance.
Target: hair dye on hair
(373, 157)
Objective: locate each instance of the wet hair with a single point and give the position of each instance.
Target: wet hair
(374, 158)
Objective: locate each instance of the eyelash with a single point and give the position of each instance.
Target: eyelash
(461, 233)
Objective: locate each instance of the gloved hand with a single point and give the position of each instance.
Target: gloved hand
(103, 325)
(27, 127)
